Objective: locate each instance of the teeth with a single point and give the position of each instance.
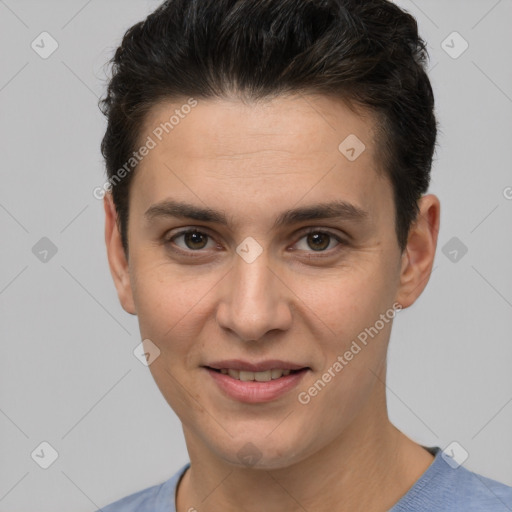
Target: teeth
(234, 373)
(276, 373)
(245, 376)
(265, 376)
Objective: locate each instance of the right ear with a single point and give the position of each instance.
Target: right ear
(116, 257)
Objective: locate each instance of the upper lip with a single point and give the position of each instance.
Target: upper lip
(260, 366)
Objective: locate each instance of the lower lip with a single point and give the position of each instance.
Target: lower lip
(253, 391)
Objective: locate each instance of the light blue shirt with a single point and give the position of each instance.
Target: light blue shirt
(442, 488)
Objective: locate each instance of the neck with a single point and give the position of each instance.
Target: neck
(371, 454)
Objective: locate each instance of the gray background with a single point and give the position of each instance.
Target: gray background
(68, 374)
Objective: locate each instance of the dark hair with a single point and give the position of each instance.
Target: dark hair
(367, 53)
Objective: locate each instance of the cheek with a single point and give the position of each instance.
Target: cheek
(355, 345)
(349, 300)
(170, 310)
(167, 299)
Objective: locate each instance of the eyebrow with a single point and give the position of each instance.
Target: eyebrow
(340, 210)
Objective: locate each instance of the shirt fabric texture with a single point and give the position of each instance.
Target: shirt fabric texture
(443, 487)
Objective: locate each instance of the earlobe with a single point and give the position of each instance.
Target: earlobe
(418, 256)
(118, 264)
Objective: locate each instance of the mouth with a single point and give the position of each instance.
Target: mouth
(255, 383)
(248, 376)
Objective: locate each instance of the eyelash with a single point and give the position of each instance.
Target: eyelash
(169, 241)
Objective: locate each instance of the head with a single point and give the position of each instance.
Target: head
(293, 140)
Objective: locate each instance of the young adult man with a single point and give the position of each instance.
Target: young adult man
(268, 165)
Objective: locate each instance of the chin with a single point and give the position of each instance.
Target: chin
(264, 451)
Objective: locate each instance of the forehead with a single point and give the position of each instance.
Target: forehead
(231, 127)
(289, 148)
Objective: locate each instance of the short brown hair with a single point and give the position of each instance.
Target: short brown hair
(367, 53)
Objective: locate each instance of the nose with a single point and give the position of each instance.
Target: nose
(254, 300)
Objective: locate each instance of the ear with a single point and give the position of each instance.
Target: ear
(418, 256)
(116, 257)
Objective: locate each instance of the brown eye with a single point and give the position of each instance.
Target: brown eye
(193, 240)
(318, 241)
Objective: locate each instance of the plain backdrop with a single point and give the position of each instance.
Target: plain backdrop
(68, 376)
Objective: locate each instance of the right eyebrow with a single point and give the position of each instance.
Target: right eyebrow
(181, 210)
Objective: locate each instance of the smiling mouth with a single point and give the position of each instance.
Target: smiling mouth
(247, 376)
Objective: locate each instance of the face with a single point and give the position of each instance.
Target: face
(257, 245)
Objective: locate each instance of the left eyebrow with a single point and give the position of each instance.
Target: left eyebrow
(340, 210)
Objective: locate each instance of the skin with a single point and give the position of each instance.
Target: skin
(252, 162)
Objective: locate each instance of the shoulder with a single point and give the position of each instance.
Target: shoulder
(447, 486)
(473, 492)
(158, 498)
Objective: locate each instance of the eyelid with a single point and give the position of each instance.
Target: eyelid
(184, 231)
(326, 231)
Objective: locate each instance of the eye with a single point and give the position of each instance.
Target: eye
(192, 240)
(318, 241)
